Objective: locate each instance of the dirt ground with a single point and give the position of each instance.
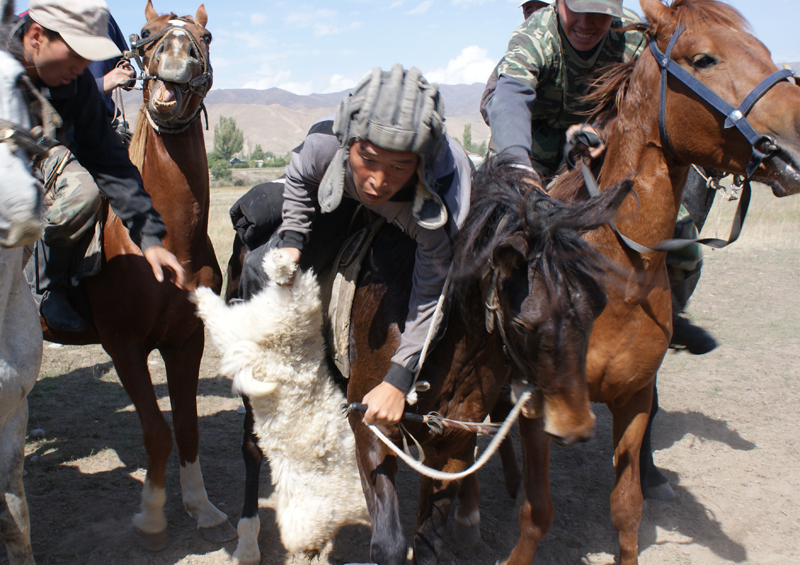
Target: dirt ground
(727, 438)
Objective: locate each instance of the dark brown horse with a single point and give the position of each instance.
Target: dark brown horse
(630, 338)
(523, 299)
(133, 313)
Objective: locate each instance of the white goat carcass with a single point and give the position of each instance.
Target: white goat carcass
(273, 348)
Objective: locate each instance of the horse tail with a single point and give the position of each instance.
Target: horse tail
(136, 150)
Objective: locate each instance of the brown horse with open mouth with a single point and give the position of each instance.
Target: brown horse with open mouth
(708, 93)
(132, 313)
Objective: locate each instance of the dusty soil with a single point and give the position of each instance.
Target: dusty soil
(726, 436)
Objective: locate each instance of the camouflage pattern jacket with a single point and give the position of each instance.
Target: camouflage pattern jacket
(542, 83)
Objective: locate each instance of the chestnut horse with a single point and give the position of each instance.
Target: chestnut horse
(132, 312)
(710, 42)
(523, 298)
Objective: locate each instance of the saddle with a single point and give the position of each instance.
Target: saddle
(338, 289)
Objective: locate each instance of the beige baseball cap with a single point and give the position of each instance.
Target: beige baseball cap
(82, 24)
(608, 7)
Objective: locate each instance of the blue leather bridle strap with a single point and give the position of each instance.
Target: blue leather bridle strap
(734, 116)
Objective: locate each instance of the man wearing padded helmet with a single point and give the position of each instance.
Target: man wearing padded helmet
(387, 149)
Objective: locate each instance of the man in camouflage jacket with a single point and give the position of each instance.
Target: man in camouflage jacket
(550, 63)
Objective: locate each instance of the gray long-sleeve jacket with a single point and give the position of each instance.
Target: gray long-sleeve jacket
(434, 247)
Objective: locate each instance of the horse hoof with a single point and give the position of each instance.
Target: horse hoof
(152, 542)
(658, 492)
(466, 535)
(655, 486)
(220, 533)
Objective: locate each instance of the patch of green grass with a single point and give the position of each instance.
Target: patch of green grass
(715, 390)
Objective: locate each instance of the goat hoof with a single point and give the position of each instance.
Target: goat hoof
(220, 533)
(152, 542)
(466, 535)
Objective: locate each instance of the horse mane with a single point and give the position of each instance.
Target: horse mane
(507, 201)
(139, 139)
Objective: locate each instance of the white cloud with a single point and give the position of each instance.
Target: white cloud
(257, 19)
(269, 82)
(251, 40)
(323, 22)
(421, 8)
(298, 87)
(471, 65)
(339, 83)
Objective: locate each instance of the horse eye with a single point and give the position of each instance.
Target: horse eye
(520, 326)
(207, 39)
(704, 62)
(145, 33)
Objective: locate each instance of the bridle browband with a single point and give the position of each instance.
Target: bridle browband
(199, 86)
(763, 146)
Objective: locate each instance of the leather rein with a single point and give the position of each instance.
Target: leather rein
(198, 86)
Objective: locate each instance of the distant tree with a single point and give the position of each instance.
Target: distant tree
(228, 139)
(467, 138)
(221, 170)
(274, 161)
(481, 150)
(257, 154)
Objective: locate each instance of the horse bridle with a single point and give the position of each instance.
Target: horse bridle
(762, 145)
(198, 86)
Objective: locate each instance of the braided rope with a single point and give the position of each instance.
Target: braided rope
(442, 475)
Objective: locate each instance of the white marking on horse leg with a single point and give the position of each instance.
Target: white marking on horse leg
(195, 498)
(247, 552)
(151, 519)
(14, 520)
(471, 519)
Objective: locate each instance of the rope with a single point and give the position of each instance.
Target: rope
(442, 475)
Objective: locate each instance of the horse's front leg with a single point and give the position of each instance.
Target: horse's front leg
(630, 422)
(183, 370)
(536, 512)
(377, 466)
(14, 521)
(247, 551)
(435, 500)
(130, 361)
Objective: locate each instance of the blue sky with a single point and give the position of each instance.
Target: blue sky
(309, 46)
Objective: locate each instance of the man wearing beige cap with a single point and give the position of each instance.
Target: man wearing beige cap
(59, 38)
(571, 39)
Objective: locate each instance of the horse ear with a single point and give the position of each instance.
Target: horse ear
(201, 17)
(150, 12)
(510, 254)
(655, 11)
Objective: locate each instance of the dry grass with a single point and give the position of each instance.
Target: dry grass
(771, 223)
(220, 228)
